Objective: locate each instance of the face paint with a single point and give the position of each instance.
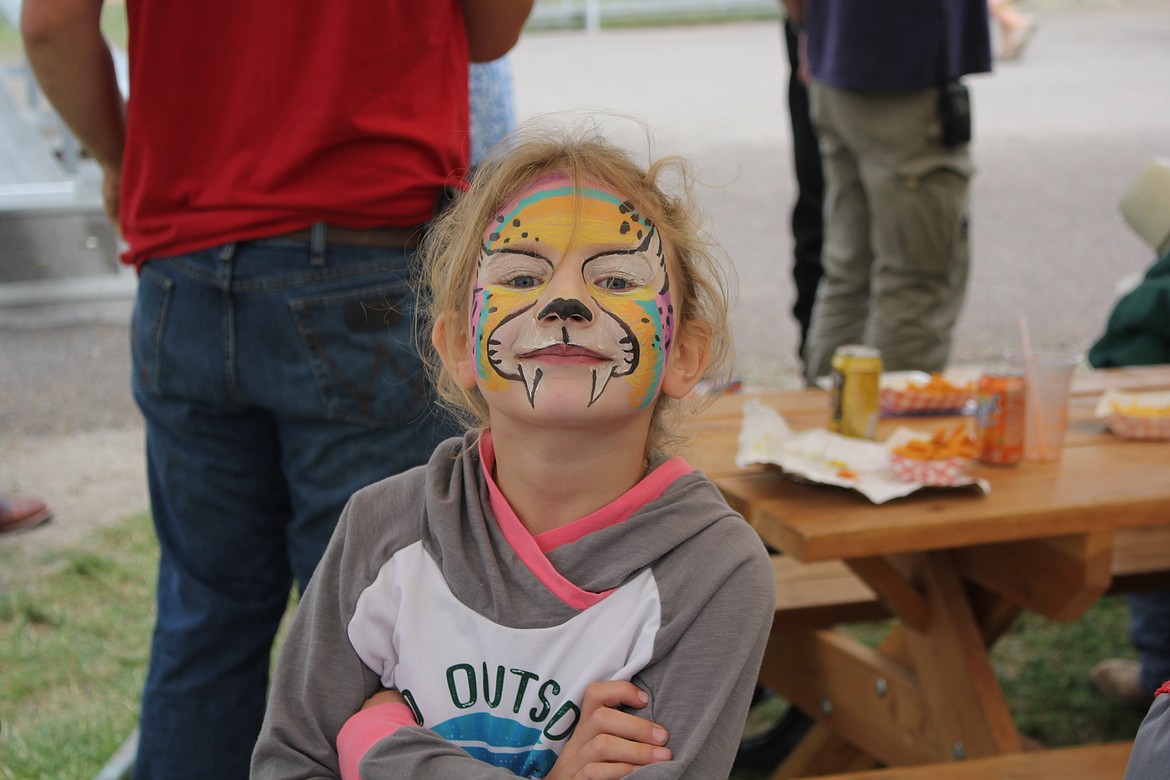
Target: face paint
(572, 280)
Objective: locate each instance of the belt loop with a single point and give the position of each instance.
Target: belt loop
(317, 244)
(224, 271)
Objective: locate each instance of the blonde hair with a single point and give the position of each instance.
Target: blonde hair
(452, 248)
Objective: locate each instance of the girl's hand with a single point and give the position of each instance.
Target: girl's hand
(384, 696)
(609, 744)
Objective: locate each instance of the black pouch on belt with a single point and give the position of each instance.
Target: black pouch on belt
(954, 113)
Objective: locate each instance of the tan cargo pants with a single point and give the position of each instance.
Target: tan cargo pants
(896, 251)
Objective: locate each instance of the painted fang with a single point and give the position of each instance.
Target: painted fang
(572, 278)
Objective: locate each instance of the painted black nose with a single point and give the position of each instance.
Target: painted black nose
(565, 309)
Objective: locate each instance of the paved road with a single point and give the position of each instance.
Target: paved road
(1058, 137)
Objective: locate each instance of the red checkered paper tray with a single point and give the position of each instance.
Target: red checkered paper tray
(955, 443)
(917, 392)
(929, 472)
(1141, 416)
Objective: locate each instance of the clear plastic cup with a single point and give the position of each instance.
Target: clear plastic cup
(1048, 379)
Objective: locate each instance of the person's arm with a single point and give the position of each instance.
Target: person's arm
(701, 689)
(606, 741)
(380, 716)
(795, 10)
(74, 67)
(493, 26)
(1138, 330)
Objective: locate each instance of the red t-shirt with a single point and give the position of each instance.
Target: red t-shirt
(255, 118)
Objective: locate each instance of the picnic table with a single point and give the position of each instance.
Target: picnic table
(953, 567)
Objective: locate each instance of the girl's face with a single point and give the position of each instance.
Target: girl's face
(571, 304)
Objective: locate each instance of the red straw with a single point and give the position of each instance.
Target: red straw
(1034, 410)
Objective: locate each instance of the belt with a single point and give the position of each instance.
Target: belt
(378, 237)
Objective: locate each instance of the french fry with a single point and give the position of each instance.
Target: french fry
(1137, 410)
(946, 442)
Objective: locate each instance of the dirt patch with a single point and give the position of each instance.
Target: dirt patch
(91, 479)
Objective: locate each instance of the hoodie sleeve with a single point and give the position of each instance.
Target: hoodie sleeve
(421, 754)
(700, 690)
(320, 680)
(364, 730)
(1150, 756)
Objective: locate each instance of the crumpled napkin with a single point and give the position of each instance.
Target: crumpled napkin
(828, 458)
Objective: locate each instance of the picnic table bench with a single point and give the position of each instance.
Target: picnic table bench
(1086, 762)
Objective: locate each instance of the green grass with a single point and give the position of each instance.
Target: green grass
(75, 627)
(1043, 667)
(74, 632)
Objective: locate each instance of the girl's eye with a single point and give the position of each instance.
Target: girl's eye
(615, 283)
(522, 282)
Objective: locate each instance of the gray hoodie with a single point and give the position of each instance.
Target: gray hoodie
(431, 586)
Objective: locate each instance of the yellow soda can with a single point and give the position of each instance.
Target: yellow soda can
(854, 401)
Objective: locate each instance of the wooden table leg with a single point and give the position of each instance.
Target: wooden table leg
(927, 694)
(821, 752)
(951, 662)
(854, 691)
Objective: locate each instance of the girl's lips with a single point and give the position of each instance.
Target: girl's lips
(564, 353)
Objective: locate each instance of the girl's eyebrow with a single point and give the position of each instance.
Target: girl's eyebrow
(637, 250)
(507, 250)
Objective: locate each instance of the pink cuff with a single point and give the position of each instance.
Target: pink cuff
(366, 728)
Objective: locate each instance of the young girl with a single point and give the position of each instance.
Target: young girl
(508, 608)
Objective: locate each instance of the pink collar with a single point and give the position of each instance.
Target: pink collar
(532, 549)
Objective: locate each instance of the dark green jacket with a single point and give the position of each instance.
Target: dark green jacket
(1138, 332)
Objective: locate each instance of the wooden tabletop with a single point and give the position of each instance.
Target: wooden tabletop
(1102, 483)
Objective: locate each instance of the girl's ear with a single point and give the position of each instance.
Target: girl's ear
(689, 356)
(454, 351)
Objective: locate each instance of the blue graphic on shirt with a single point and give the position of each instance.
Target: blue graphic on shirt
(499, 742)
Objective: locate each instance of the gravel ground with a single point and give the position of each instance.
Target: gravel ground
(69, 430)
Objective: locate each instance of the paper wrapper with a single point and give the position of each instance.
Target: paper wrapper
(1117, 409)
(897, 396)
(828, 458)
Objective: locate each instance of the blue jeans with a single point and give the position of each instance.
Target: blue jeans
(1149, 630)
(276, 379)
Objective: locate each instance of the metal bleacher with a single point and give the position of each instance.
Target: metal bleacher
(56, 245)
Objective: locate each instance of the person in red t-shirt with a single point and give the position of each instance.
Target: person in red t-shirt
(272, 173)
